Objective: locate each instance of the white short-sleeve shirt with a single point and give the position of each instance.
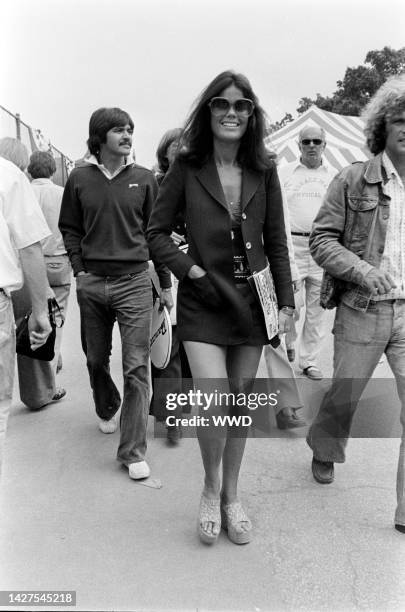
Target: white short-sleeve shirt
(21, 223)
(305, 189)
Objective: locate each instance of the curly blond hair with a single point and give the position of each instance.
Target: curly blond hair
(388, 101)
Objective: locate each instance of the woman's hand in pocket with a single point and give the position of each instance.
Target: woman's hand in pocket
(206, 292)
(196, 272)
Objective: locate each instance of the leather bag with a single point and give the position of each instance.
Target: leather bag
(46, 352)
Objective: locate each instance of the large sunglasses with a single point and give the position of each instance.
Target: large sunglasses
(307, 141)
(221, 106)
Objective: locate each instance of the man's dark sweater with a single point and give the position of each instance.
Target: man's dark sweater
(103, 221)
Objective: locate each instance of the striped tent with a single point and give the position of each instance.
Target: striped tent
(345, 142)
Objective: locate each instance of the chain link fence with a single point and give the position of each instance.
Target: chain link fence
(12, 125)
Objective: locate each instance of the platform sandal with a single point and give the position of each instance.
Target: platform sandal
(233, 519)
(209, 512)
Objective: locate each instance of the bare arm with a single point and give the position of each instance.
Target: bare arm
(35, 278)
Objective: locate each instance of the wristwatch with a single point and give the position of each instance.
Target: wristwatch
(288, 310)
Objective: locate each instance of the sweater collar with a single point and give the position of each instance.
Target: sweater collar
(94, 161)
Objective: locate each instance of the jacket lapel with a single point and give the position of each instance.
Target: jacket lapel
(209, 179)
(250, 183)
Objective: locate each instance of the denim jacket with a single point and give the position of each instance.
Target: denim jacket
(349, 231)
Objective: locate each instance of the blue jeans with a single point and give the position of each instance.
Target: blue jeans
(360, 340)
(127, 299)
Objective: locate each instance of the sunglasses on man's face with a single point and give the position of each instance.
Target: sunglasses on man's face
(308, 141)
(221, 106)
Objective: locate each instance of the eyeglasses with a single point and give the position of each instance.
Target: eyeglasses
(307, 141)
(221, 106)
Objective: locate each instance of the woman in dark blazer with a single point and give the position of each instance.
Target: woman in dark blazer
(228, 190)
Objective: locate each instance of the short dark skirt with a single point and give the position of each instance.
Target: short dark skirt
(198, 323)
(258, 335)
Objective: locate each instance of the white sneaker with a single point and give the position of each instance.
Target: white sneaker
(108, 427)
(139, 470)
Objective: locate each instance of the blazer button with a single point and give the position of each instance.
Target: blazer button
(243, 216)
(248, 245)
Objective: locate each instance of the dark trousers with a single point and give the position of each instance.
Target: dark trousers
(127, 299)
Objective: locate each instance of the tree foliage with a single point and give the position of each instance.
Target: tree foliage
(273, 127)
(360, 83)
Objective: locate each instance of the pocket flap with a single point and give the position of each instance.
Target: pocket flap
(362, 204)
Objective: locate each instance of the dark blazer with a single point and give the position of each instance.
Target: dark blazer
(198, 194)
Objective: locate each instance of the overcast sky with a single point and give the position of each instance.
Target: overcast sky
(62, 59)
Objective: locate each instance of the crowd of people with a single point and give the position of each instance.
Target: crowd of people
(230, 236)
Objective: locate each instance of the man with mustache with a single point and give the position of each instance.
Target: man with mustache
(105, 210)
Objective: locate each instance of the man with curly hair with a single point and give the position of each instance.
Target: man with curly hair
(358, 238)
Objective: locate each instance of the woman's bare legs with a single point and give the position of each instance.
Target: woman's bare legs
(243, 362)
(209, 361)
(237, 363)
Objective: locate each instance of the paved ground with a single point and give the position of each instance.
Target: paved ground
(72, 519)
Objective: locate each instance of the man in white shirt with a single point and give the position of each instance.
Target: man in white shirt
(22, 227)
(305, 183)
(42, 167)
(278, 366)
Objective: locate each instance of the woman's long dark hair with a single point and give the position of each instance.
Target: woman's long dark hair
(197, 135)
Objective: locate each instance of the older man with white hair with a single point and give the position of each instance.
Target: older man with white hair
(305, 182)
